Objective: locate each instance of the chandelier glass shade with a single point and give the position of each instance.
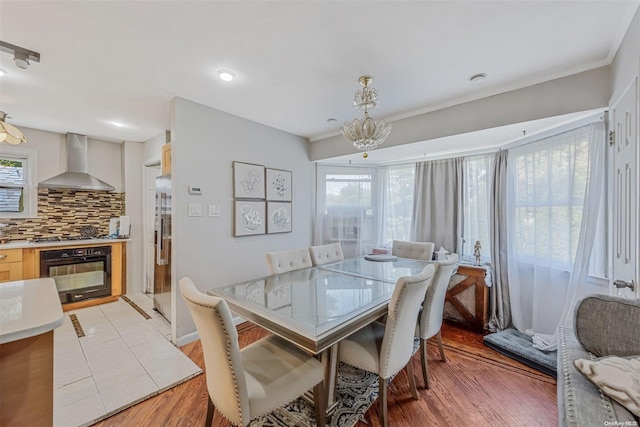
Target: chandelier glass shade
(366, 133)
(9, 133)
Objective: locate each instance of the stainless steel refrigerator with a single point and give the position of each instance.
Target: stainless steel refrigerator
(162, 243)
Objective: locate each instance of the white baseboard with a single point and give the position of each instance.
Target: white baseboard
(186, 339)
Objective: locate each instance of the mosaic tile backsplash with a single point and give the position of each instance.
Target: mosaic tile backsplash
(61, 213)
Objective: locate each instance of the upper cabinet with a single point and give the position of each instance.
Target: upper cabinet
(166, 158)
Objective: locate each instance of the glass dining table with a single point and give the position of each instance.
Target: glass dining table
(317, 307)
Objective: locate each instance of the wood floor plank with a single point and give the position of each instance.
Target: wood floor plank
(477, 386)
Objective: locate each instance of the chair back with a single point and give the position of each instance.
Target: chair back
(281, 262)
(404, 307)
(433, 306)
(326, 253)
(415, 250)
(225, 372)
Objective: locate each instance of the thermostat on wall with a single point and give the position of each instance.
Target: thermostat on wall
(194, 190)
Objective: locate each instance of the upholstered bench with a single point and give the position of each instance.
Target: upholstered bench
(603, 326)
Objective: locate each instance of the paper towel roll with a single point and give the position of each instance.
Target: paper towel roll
(113, 226)
(125, 226)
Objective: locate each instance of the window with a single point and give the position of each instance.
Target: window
(397, 184)
(475, 204)
(17, 192)
(548, 194)
(346, 209)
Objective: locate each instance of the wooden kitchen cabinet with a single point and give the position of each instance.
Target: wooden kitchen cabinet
(166, 158)
(10, 265)
(467, 299)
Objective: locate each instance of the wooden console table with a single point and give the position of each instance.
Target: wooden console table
(467, 300)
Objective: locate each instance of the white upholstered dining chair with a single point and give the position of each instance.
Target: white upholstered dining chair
(244, 384)
(415, 250)
(281, 262)
(384, 349)
(325, 254)
(430, 321)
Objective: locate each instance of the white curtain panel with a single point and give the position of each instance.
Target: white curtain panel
(553, 195)
(476, 190)
(347, 208)
(396, 195)
(437, 203)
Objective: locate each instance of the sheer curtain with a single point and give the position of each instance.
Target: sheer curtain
(553, 195)
(396, 195)
(347, 208)
(475, 205)
(437, 203)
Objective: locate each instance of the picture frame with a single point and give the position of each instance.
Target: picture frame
(279, 217)
(249, 218)
(248, 181)
(278, 184)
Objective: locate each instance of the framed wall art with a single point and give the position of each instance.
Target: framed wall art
(278, 217)
(249, 218)
(248, 181)
(278, 183)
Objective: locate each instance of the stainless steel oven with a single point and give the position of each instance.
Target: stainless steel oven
(79, 273)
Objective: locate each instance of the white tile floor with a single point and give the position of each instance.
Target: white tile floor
(122, 359)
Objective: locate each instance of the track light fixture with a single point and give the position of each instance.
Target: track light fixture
(21, 56)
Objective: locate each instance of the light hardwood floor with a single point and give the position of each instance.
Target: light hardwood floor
(476, 387)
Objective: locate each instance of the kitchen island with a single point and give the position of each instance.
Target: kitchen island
(29, 312)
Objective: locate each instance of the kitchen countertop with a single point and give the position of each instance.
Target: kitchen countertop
(20, 244)
(28, 308)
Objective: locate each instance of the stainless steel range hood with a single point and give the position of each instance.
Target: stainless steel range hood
(77, 176)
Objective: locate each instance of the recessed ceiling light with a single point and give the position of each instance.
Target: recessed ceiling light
(3, 72)
(226, 75)
(331, 120)
(477, 78)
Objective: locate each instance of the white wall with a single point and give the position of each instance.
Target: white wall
(205, 142)
(132, 158)
(625, 64)
(579, 92)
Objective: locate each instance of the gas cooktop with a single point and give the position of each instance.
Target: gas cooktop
(62, 239)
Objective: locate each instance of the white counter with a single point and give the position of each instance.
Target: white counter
(28, 308)
(20, 244)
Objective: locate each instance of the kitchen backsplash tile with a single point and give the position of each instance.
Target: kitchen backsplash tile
(61, 213)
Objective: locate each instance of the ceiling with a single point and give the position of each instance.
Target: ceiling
(297, 63)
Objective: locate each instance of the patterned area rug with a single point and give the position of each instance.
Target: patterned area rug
(357, 390)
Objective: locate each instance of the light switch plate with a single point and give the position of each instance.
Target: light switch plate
(195, 209)
(214, 211)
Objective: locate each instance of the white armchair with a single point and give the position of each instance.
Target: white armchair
(245, 384)
(325, 254)
(415, 250)
(281, 262)
(384, 349)
(430, 321)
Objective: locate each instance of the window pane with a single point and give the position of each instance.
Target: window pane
(11, 199)
(11, 171)
(477, 181)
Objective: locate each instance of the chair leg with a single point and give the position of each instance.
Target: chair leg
(439, 336)
(423, 359)
(319, 400)
(210, 411)
(382, 401)
(412, 380)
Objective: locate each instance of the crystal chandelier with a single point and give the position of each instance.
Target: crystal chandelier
(366, 133)
(9, 133)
